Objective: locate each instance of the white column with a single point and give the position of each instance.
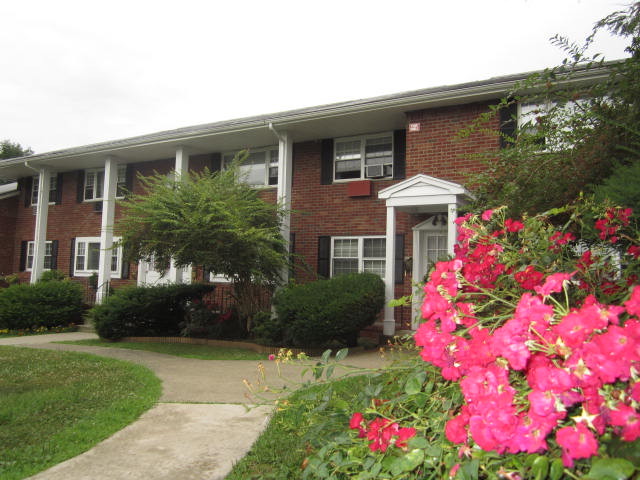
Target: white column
(451, 227)
(40, 234)
(175, 274)
(389, 326)
(106, 230)
(182, 161)
(285, 164)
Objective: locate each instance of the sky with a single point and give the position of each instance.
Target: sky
(81, 72)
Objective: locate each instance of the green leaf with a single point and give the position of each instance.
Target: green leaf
(611, 468)
(341, 355)
(414, 383)
(407, 462)
(329, 371)
(540, 467)
(418, 442)
(325, 356)
(556, 470)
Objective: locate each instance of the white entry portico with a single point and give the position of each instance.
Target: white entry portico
(420, 194)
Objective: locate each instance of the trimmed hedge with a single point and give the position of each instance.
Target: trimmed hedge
(145, 311)
(324, 312)
(42, 304)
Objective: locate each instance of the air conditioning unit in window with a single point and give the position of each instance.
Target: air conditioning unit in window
(374, 171)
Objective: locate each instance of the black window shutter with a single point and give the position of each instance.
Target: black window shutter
(324, 256)
(23, 255)
(215, 162)
(326, 159)
(54, 255)
(28, 186)
(508, 124)
(58, 193)
(126, 266)
(97, 206)
(72, 254)
(128, 179)
(80, 186)
(399, 267)
(399, 154)
(206, 274)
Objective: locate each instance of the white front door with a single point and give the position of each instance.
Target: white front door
(429, 246)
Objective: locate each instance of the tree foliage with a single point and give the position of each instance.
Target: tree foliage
(209, 219)
(9, 149)
(580, 135)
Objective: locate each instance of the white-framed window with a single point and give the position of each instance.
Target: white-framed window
(53, 189)
(358, 254)
(530, 115)
(365, 156)
(94, 183)
(260, 169)
(87, 257)
(47, 255)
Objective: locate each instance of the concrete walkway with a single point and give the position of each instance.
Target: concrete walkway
(199, 429)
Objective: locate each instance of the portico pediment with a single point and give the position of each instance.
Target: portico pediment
(424, 191)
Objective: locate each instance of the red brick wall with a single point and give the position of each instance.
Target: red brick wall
(318, 209)
(438, 151)
(8, 208)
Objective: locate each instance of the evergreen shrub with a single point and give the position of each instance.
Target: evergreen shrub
(146, 311)
(326, 312)
(43, 304)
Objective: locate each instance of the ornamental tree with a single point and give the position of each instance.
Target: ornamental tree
(212, 219)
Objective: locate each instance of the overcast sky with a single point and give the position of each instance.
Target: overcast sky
(79, 72)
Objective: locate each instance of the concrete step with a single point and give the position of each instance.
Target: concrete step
(86, 328)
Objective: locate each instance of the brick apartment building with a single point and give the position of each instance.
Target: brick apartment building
(374, 185)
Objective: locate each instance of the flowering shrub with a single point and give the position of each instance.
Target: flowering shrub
(539, 337)
(532, 344)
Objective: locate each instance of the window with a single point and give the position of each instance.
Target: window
(358, 254)
(53, 189)
(260, 168)
(369, 156)
(94, 183)
(87, 257)
(47, 255)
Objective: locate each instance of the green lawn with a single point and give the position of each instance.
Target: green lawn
(56, 405)
(202, 352)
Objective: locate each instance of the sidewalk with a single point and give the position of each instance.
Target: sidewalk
(199, 428)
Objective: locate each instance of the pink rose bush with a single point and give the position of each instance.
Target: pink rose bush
(542, 336)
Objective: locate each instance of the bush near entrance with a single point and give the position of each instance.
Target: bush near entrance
(320, 313)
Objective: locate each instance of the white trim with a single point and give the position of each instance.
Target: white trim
(88, 272)
(362, 139)
(31, 243)
(360, 258)
(53, 187)
(121, 181)
(269, 162)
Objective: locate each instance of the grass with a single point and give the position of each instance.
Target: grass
(56, 405)
(201, 352)
(279, 452)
